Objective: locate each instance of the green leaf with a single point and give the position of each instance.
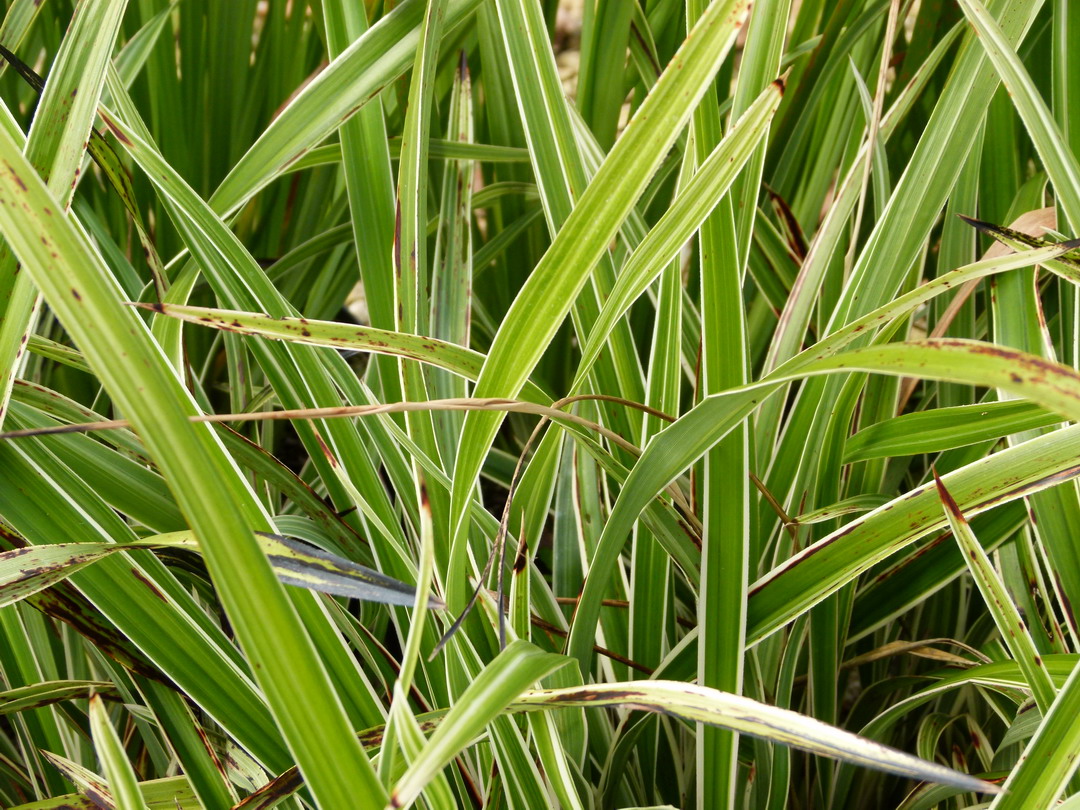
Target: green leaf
(123, 784)
(1050, 759)
(355, 77)
(498, 684)
(542, 304)
(1059, 161)
(1007, 618)
(692, 205)
(55, 147)
(215, 501)
(945, 428)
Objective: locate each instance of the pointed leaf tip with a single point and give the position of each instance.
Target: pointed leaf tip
(978, 224)
(946, 497)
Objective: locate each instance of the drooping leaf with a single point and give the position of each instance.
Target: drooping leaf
(25, 571)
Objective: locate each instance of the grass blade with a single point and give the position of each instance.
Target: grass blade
(122, 781)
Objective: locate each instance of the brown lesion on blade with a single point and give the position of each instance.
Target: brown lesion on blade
(1015, 489)
(799, 559)
(921, 551)
(95, 790)
(326, 450)
(657, 68)
(593, 696)
(795, 238)
(211, 752)
(115, 129)
(1047, 370)
(293, 159)
(139, 575)
(65, 603)
(1066, 605)
(991, 229)
(397, 239)
(274, 791)
(521, 559)
(1003, 235)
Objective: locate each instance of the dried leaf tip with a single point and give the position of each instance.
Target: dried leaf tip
(998, 231)
(28, 74)
(946, 498)
(980, 225)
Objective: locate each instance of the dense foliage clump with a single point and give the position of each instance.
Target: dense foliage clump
(514, 403)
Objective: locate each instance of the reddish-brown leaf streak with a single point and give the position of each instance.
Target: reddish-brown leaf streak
(149, 584)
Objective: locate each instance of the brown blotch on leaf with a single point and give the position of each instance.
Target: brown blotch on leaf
(397, 239)
(153, 588)
(521, 559)
(120, 136)
(326, 450)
